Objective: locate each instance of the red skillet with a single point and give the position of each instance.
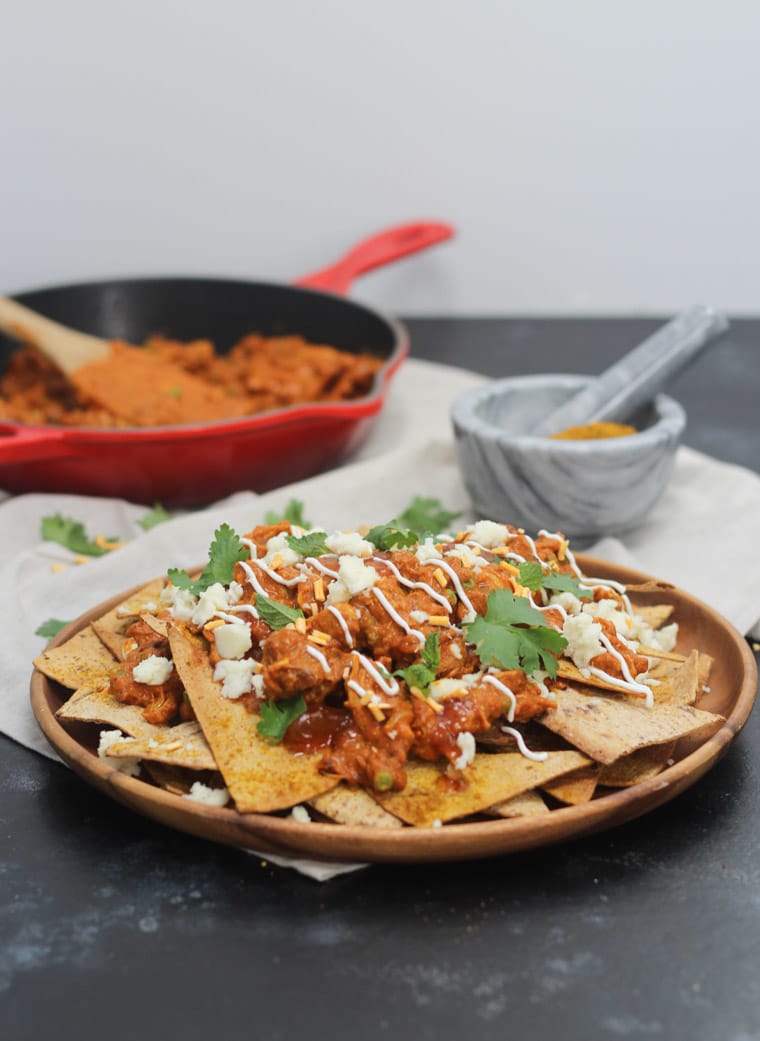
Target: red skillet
(198, 463)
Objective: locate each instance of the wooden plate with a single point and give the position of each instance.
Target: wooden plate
(732, 692)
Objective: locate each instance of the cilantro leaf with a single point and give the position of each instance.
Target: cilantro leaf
(275, 614)
(276, 717)
(386, 536)
(421, 674)
(224, 552)
(312, 544)
(155, 516)
(70, 533)
(293, 512)
(512, 634)
(425, 516)
(50, 628)
(533, 577)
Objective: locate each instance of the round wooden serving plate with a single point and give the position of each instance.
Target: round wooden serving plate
(732, 692)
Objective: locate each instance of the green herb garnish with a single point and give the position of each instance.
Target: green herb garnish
(293, 512)
(386, 536)
(70, 533)
(275, 614)
(50, 628)
(422, 673)
(276, 717)
(425, 516)
(312, 544)
(533, 577)
(224, 552)
(156, 516)
(512, 634)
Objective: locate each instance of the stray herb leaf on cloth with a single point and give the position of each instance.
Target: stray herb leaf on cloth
(425, 516)
(275, 614)
(155, 516)
(224, 552)
(312, 544)
(293, 512)
(422, 673)
(70, 533)
(276, 717)
(50, 628)
(512, 634)
(533, 577)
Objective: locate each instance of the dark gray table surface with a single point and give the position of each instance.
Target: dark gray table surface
(112, 926)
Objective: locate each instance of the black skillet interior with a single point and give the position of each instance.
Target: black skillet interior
(220, 310)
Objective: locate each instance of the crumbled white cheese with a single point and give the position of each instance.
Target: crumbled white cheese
(257, 684)
(153, 670)
(419, 616)
(456, 651)
(300, 814)
(128, 766)
(582, 634)
(210, 601)
(236, 676)
(664, 639)
(232, 640)
(428, 550)
(489, 534)
(277, 547)
(466, 743)
(201, 792)
(609, 609)
(354, 576)
(179, 602)
(446, 688)
(467, 557)
(349, 542)
(437, 823)
(568, 601)
(234, 592)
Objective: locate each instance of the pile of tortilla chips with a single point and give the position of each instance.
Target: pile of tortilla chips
(596, 739)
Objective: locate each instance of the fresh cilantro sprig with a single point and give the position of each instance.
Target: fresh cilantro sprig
(425, 516)
(312, 544)
(533, 577)
(388, 536)
(158, 515)
(276, 717)
(293, 512)
(512, 634)
(70, 533)
(421, 673)
(224, 552)
(50, 628)
(275, 614)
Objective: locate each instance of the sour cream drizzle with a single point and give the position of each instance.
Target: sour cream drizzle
(505, 690)
(404, 581)
(457, 584)
(342, 621)
(245, 608)
(388, 686)
(315, 563)
(537, 757)
(589, 583)
(250, 575)
(628, 680)
(231, 618)
(319, 656)
(397, 618)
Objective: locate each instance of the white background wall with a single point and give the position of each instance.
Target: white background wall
(596, 156)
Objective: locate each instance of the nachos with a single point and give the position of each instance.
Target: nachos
(385, 677)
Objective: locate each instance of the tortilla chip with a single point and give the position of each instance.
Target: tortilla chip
(528, 804)
(607, 728)
(182, 745)
(677, 684)
(575, 788)
(655, 615)
(260, 777)
(172, 778)
(353, 806)
(430, 795)
(638, 766)
(569, 671)
(98, 705)
(112, 627)
(82, 661)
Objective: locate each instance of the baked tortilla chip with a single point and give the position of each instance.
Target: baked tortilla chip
(677, 684)
(82, 661)
(353, 806)
(528, 804)
(98, 705)
(430, 795)
(577, 787)
(260, 777)
(182, 745)
(607, 728)
(111, 627)
(636, 767)
(569, 671)
(655, 615)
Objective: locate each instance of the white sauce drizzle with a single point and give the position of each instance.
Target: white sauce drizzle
(457, 584)
(342, 621)
(629, 681)
(404, 581)
(245, 608)
(321, 567)
(250, 575)
(233, 619)
(586, 582)
(388, 686)
(537, 757)
(383, 599)
(505, 690)
(278, 578)
(319, 656)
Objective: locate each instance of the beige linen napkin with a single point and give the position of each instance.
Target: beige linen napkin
(700, 536)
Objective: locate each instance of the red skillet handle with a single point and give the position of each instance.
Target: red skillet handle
(376, 251)
(19, 444)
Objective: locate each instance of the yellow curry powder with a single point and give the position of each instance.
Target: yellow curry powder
(592, 431)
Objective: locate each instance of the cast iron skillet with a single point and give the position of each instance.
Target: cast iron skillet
(198, 463)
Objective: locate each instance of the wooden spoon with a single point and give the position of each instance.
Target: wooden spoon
(129, 381)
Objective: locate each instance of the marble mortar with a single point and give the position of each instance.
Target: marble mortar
(581, 488)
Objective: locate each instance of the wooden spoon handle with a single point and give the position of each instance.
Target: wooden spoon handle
(66, 348)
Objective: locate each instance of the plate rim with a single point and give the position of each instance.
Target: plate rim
(330, 842)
